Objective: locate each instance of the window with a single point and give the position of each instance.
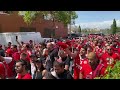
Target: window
(48, 33)
(24, 29)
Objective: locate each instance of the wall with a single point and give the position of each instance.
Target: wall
(12, 23)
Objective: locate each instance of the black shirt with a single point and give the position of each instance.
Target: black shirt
(2, 52)
(66, 60)
(64, 75)
(53, 53)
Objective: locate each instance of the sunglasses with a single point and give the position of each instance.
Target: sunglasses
(109, 49)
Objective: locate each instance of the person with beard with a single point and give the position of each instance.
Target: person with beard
(109, 57)
(80, 60)
(99, 48)
(25, 49)
(15, 53)
(65, 58)
(21, 70)
(53, 53)
(98, 70)
(58, 72)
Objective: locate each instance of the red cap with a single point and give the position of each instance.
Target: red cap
(62, 45)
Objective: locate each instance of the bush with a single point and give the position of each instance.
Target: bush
(112, 73)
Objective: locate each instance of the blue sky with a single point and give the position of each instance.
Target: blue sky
(97, 17)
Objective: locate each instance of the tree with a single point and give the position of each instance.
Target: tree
(114, 27)
(79, 29)
(62, 16)
(118, 29)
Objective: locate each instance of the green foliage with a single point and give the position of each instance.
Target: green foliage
(29, 16)
(112, 73)
(118, 29)
(62, 16)
(114, 27)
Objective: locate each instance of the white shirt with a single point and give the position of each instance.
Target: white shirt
(32, 69)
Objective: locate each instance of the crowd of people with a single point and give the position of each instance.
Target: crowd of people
(77, 58)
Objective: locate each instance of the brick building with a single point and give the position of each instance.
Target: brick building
(15, 23)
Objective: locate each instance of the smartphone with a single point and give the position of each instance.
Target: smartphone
(16, 37)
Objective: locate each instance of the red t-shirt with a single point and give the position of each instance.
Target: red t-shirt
(99, 52)
(119, 50)
(28, 55)
(16, 56)
(79, 64)
(86, 71)
(100, 70)
(76, 67)
(9, 51)
(26, 76)
(9, 70)
(5, 70)
(106, 58)
(2, 70)
(11, 66)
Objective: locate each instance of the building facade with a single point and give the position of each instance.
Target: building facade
(15, 23)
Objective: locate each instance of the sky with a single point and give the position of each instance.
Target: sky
(97, 19)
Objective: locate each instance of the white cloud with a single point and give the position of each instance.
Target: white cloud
(100, 25)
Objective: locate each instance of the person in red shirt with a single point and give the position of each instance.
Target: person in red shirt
(24, 56)
(15, 53)
(97, 69)
(2, 71)
(98, 49)
(8, 53)
(6, 71)
(119, 50)
(109, 57)
(79, 61)
(12, 52)
(21, 70)
(89, 49)
(25, 49)
(9, 46)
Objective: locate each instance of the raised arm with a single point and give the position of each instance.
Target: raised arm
(73, 55)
